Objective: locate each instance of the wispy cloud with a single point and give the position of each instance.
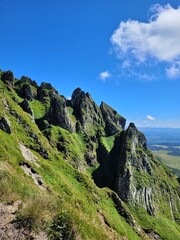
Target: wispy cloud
(173, 71)
(149, 117)
(156, 40)
(104, 75)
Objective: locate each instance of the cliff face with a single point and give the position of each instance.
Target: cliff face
(131, 170)
(113, 121)
(40, 122)
(88, 115)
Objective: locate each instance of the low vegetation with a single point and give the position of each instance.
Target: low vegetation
(65, 203)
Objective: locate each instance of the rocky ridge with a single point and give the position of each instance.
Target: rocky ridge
(120, 157)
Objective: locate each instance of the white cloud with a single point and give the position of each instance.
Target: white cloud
(149, 117)
(173, 71)
(158, 39)
(104, 75)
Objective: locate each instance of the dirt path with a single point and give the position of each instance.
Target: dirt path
(8, 227)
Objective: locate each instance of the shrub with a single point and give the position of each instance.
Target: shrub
(62, 228)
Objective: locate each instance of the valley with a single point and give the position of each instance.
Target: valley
(165, 144)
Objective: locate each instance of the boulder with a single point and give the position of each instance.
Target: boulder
(8, 77)
(26, 107)
(5, 125)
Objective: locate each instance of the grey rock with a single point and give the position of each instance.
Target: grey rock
(26, 88)
(58, 113)
(121, 170)
(88, 114)
(26, 107)
(113, 121)
(28, 80)
(5, 125)
(45, 92)
(7, 77)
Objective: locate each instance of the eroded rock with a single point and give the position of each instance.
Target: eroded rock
(88, 114)
(31, 172)
(26, 107)
(7, 77)
(127, 169)
(45, 92)
(5, 125)
(26, 88)
(113, 121)
(28, 155)
(58, 113)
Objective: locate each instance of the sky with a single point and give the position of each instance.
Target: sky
(125, 53)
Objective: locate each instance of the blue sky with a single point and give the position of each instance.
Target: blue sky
(125, 53)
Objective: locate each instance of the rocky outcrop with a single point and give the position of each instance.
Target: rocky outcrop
(26, 107)
(8, 77)
(31, 172)
(87, 113)
(25, 91)
(130, 170)
(58, 113)
(28, 80)
(5, 125)
(26, 88)
(134, 160)
(45, 92)
(90, 155)
(113, 121)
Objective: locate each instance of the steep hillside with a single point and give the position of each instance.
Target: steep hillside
(69, 170)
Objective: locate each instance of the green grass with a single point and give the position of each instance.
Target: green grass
(69, 189)
(108, 142)
(38, 108)
(167, 229)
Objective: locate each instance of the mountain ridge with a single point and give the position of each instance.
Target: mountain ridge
(82, 138)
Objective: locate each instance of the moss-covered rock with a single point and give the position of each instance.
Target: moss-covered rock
(71, 142)
(114, 122)
(87, 113)
(8, 77)
(58, 113)
(131, 170)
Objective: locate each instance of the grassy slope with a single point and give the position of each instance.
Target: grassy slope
(108, 142)
(68, 190)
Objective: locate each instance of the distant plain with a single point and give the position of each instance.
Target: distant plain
(165, 144)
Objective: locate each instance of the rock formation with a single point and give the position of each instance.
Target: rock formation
(26, 107)
(7, 77)
(130, 170)
(45, 91)
(73, 137)
(88, 115)
(58, 113)
(113, 121)
(5, 125)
